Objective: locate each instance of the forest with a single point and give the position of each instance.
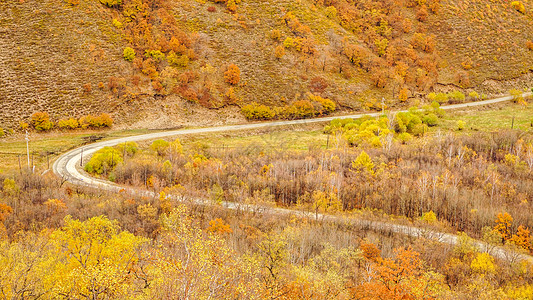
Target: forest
(406, 168)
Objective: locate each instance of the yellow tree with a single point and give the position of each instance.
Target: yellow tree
(23, 265)
(188, 263)
(363, 162)
(96, 260)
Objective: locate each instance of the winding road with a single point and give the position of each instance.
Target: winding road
(66, 167)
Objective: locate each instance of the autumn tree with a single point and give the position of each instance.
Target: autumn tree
(25, 263)
(96, 259)
(41, 121)
(522, 238)
(401, 277)
(503, 225)
(279, 52)
(232, 74)
(187, 263)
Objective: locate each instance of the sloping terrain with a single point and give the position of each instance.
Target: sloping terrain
(66, 57)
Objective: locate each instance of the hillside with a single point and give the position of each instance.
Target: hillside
(67, 57)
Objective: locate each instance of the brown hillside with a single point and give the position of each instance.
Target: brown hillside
(66, 57)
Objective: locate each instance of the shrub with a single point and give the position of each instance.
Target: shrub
(430, 119)
(517, 94)
(111, 3)
(529, 45)
(2, 133)
(404, 94)
(41, 121)
(68, 124)
(456, 96)
(117, 24)
(160, 146)
(303, 109)
(231, 5)
(404, 137)
(101, 121)
(275, 34)
(441, 97)
(331, 12)
(279, 51)
(232, 74)
(177, 60)
(288, 42)
(326, 105)
(461, 125)
(211, 9)
(363, 162)
(519, 6)
(87, 88)
(23, 125)
(129, 54)
(419, 129)
(155, 54)
(473, 95)
(256, 111)
(103, 161)
(129, 148)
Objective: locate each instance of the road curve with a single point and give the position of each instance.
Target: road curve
(66, 164)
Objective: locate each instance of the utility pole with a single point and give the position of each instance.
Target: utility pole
(28, 148)
(81, 158)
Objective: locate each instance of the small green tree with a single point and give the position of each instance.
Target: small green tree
(103, 161)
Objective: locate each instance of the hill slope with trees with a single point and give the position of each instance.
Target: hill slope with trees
(155, 63)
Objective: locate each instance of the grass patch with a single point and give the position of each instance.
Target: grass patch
(46, 147)
(491, 119)
(279, 139)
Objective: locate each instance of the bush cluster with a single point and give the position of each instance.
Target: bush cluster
(451, 97)
(373, 131)
(111, 3)
(40, 121)
(301, 109)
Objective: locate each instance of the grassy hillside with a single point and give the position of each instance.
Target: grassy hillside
(66, 57)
